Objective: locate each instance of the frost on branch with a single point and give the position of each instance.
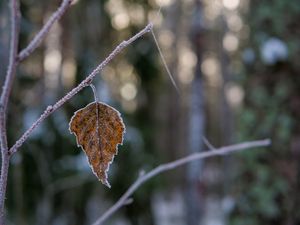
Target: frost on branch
(99, 129)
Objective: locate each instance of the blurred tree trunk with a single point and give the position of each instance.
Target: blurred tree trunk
(171, 102)
(185, 120)
(226, 111)
(227, 120)
(196, 123)
(18, 181)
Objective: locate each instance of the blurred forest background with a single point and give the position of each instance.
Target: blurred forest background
(237, 66)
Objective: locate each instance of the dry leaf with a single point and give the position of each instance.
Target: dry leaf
(99, 129)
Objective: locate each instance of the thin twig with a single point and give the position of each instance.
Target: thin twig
(164, 61)
(171, 165)
(68, 183)
(86, 82)
(207, 143)
(9, 79)
(45, 30)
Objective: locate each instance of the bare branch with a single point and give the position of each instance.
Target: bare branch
(45, 30)
(172, 165)
(9, 79)
(86, 82)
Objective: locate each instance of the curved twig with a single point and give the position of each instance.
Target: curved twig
(171, 165)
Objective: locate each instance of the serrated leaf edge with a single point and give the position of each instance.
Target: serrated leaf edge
(79, 145)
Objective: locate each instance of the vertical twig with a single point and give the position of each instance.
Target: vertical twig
(164, 61)
(9, 79)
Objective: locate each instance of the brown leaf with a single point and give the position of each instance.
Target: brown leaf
(99, 129)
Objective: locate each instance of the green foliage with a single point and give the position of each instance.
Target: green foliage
(267, 179)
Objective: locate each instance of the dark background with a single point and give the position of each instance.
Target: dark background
(236, 63)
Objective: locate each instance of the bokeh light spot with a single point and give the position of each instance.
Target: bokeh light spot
(128, 91)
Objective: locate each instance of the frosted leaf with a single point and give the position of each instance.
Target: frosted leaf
(99, 129)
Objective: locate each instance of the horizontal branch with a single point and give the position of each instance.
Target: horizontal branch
(45, 30)
(86, 82)
(172, 165)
